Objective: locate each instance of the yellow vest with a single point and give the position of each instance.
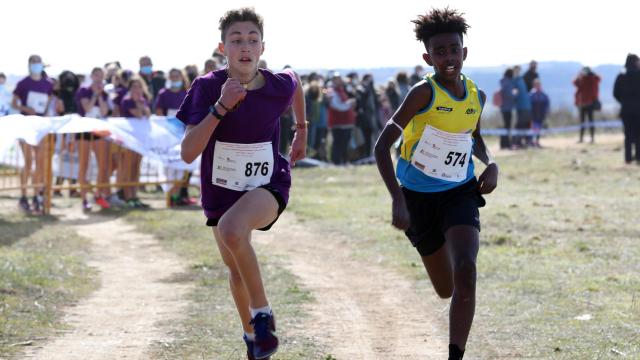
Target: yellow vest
(445, 112)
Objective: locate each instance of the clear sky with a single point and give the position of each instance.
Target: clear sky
(78, 35)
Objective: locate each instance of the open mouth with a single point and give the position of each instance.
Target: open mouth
(450, 69)
(245, 60)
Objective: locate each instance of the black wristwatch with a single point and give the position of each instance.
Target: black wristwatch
(213, 111)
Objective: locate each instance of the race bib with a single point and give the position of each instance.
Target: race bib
(172, 112)
(37, 101)
(242, 167)
(443, 155)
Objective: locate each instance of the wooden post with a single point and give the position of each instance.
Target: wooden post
(48, 173)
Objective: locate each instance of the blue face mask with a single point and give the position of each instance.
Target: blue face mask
(147, 70)
(36, 68)
(176, 84)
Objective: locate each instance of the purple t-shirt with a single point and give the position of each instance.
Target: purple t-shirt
(168, 100)
(38, 89)
(121, 92)
(127, 104)
(256, 120)
(87, 93)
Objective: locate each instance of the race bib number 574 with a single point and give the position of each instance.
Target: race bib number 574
(242, 167)
(443, 155)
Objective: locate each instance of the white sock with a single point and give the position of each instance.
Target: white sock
(250, 336)
(264, 309)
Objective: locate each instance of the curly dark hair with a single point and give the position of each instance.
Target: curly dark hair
(238, 15)
(439, 21)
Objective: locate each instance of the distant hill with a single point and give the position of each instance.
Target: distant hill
(557, 80)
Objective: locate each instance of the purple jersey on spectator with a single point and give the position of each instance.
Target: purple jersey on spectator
(121, 92)
(127, 104)
(34, 94)
(257, 120)
(87, 93)
(169, 102)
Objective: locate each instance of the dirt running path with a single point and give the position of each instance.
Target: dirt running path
(362, 310)
(119, 320)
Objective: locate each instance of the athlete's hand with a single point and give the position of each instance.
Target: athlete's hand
(400, 213)
(488, 180)
(232, 93)
(29, 111)
(298, 146)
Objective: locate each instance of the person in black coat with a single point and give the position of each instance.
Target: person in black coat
(627, 91)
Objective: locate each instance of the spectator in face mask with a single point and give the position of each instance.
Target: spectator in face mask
(154, 80)
(32, 96)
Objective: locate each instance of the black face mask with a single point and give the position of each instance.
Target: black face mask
(192, 76)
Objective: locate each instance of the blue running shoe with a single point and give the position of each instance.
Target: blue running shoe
(249, 344)
(266, 343)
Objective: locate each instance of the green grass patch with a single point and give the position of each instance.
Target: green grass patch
(42, 269)
(559, 242)
(211, 327)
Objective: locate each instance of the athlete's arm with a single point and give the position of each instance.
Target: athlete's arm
(299, 143)
(197, 137)
(488, 180)
(417, 99)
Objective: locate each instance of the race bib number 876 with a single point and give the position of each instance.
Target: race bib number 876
(242, 167)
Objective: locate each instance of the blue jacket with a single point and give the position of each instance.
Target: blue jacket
(539, 106)
(506, 90)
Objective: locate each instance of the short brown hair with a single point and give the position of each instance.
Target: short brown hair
(239, 15)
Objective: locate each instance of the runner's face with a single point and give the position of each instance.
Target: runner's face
(446, 54)
(243, 46)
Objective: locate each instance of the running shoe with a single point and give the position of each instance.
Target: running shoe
(38, 203)
(190, 200)
(24, 205)
(266, 343)
(86, 206)
(114, 200)
(102, 202)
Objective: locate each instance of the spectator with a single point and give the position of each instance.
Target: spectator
(342, 119)
(523, 111)
(403, 85)
(134, 105)
(32, 96)
(507, 103)
(5, 96)
(393, 97)
(587, 84)
(627, 91)
(154, 80)
(210, 65)
(539, 110)
(418, 73)
(192, 72)
(367, 119)
(92, 101)
(531, 75)
(314, 103)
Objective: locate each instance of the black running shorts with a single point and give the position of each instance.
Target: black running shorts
(432, 214)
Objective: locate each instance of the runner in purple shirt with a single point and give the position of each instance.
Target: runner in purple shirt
(232, 117)
(32, 96)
